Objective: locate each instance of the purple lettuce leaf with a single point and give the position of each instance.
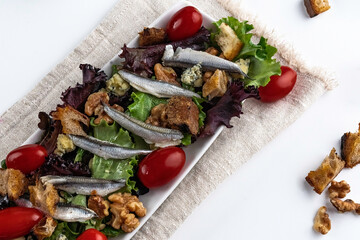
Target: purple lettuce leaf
(142, 60)
(52, 130)
(65, 165)
(228, 106)
(93, 80)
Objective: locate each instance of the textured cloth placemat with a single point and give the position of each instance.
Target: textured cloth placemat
(259, 124)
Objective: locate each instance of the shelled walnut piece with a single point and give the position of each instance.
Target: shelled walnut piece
(326, 172)
(45, 228)
(350, 148)
(315, 7)
(123, 207)
(322, 223)
(99, 205)
(345, 206)
(338, 189)
(94, 106)
(12, 183)
(71, 120)
(166, 74)
(44, 197)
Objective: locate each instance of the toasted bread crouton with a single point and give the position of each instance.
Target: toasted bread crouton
(216, 86)
(44, 197)
(315, 7)
(151, 36)
(350, 148)
(326, 172)
(13, 183)
(228, 41)
(71, 120)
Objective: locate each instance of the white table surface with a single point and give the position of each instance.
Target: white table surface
(268, 197)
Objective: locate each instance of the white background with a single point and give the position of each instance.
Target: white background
(268, 197)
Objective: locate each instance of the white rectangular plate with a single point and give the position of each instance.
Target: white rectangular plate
(156, 197)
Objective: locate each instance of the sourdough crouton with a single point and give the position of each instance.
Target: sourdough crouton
(180, 112)
(216, 86)
(44, 197)
(326, 172)
(13, 183)
(151, 36)
(315, 7)
(350, 148)
(71, 120)
(228, 41)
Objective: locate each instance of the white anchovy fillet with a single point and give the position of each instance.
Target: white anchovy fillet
(64, 212)
(105, 149)
(159, 89)
(188, 57)
(73, 213)
(83, 185)
(150, 133)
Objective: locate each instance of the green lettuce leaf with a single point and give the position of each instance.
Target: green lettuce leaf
(262, 66)
(142, 105)
(113, 169)
(70, 230)
(202, 114)
(111, 232)
(79, 200)
(3, 164)
(186, 139)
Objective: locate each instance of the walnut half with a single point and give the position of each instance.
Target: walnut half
(99, 205)
(338, 189)
(93, 106)
(345, 206)
(123, 207)
(322, 223)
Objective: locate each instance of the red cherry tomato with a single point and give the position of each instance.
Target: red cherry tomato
(18, 221)
(92, 234)
(161, 166)
(26, 158)
(279, 86)
(184, 23)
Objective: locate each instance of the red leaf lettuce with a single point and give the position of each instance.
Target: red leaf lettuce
(228, 106)
(142, 60)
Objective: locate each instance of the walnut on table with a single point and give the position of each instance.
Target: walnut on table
(44, 197)
(123, 207)
(94, 106)
(326, 172)
(71, 120)
(45, 228)
(99, 205)
(345, 206)
(12, 183)
(166, 74)
(322, 223)
(338, 189)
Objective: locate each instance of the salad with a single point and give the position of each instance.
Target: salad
(115, 138)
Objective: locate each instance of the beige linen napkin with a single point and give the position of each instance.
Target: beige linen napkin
(259, 124)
